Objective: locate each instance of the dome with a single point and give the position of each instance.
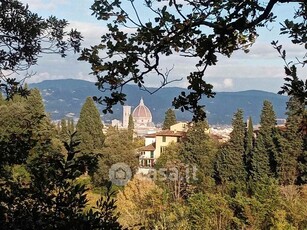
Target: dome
(141, 114)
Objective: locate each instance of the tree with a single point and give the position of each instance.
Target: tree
(291, 144)
(264, 154)
(130, 127)
(134, 205)
(199, 150)
(24, 36)
(169, 120)
(71, 125)
(24, 127)
(249, 145)
(63, 130)
(209, 211)
(190, 28)
(89, 128)
(118, 147)
(130, 123)
(51, 196)
(230, 161)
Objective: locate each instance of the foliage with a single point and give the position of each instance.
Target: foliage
(136, 207)
(65, 128)
(131, 126)
(130, 123)
(231, 158)
(89, 128)
(249, 142)
(264, 154)
(170, 119)
(199, 149)
(294, 199)
(24, 37)
(209, 211)
(49, 198)
(24, 128)
(200, 30)
(118, 147)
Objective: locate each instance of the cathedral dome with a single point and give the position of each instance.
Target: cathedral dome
(141, 114)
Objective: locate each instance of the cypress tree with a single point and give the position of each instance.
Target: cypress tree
(291, 144)
(130, 127)
(64, 130)
(169, 120)
(264, 154)
(230, 161)
(71, 125)
(130, 123)
(249, 145)
(89, 128)
(44, 130)
(34, 103)
(199, 149)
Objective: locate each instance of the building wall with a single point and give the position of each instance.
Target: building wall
(179, 127)
(149, 140)
(161, 143)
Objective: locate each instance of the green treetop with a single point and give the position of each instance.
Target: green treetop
(200, 150)
(34, 102)
(130, 126)
(89, 128)
(249, 144)
(290, 144)
(230, 162)
(130, 123)
(170, 119)
(263, 159)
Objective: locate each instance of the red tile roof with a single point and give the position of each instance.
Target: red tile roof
(170, 133)
(150, 135)
(150, 147)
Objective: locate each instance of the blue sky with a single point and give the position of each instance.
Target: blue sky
(260, 69)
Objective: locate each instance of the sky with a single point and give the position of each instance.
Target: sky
(260, 69)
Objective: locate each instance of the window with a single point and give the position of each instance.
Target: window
(151, 154)
(164, 139)
(162, 149)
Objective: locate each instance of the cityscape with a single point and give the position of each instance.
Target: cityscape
(153, 115)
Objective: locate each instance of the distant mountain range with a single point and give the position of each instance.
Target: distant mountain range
(64, 98)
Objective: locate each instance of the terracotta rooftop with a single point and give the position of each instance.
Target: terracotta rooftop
(166, 133)
(151, 135)
(150, 147)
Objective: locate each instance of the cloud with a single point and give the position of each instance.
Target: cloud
(228, 83)
(222, 84)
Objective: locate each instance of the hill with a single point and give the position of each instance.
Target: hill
(65, 98)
